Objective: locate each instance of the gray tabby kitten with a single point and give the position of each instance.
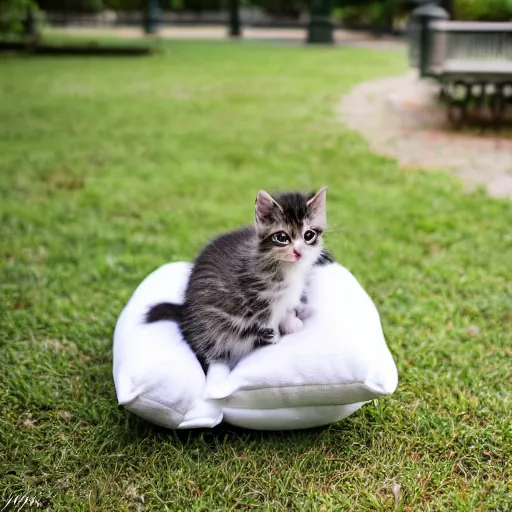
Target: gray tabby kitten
(247, 287)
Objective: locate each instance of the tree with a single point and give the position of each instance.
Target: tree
(234, 18)
(18, 17)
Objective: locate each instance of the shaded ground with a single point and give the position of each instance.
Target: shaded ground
(281, 35)
(402, 118)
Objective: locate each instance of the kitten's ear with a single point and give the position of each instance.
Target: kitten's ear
(265, 203)
(318, 208)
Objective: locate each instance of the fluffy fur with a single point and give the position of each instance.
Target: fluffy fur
(247, 287)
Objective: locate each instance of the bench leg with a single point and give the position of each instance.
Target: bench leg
(498, 106)
(458, 99)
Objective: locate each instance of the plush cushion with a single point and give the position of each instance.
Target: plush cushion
(314, 377)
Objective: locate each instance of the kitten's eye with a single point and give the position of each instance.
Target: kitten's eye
(310, 236)
(281, 238)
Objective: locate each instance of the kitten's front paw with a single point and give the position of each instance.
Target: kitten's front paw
(269, 336)
(304, 312)
(291, 324)
(266, 337)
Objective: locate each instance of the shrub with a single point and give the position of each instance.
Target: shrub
(14, 15)
(377, 14)
(488, 10)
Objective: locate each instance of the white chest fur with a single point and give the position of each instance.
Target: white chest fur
(289, 297)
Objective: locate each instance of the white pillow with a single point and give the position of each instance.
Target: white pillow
(314, 377)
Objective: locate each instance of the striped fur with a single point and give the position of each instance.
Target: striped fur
(243, 284)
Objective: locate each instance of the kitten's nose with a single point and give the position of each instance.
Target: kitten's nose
(297, 254)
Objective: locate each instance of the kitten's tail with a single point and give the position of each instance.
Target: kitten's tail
(165, 311)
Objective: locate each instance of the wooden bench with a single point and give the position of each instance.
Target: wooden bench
(471, 60)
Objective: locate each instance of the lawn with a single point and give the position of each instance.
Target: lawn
(111, 167)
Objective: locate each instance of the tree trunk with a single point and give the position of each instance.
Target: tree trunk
(234, 18)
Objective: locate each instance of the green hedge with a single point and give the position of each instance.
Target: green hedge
(13, 16)
(483, 10)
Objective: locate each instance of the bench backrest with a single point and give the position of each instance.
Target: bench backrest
(462, 41)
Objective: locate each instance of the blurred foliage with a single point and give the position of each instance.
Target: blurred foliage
(124, 5)
(130, 5)
(281, 7)
(276, 7)
(89, 5)
(374, 13)
(488, 10)
(377, 14)
(18, 16)
(194, 5)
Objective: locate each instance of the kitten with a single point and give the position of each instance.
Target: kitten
(247, 287)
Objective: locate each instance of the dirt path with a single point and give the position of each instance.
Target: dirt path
(415, 133)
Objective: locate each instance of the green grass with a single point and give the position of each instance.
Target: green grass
(111, 167)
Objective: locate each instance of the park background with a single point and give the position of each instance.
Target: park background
(112, 165)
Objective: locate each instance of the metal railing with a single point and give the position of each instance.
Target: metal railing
(459, 45)
(433, 45)
(471, 60)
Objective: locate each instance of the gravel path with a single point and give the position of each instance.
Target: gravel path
(401, 117)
